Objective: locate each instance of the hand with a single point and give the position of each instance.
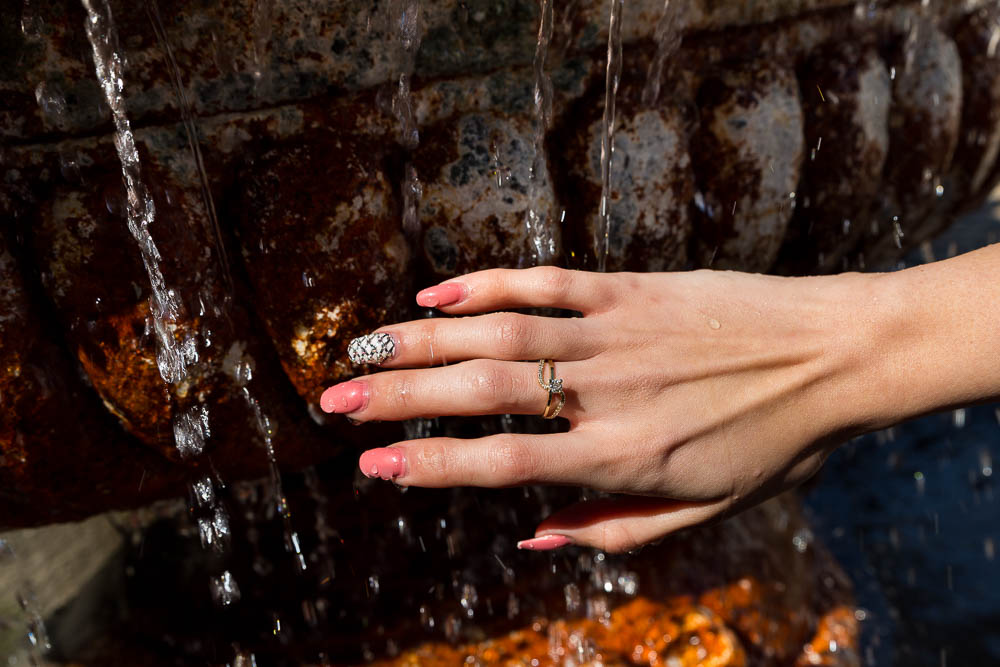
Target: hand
(696, 394)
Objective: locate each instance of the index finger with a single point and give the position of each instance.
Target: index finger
(538, 287)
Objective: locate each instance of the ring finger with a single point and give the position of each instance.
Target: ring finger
(478, 387)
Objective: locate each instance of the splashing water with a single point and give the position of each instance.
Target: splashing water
(602, 238)
(539, 220)
(668, 38)
(173, 356)
(214, 528)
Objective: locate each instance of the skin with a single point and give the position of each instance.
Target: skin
(695, 395)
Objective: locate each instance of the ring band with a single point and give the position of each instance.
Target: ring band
(554, 386)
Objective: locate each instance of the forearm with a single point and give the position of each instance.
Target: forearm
(934, 337)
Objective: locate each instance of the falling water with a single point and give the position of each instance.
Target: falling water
(262, 17)
(539, 220)
(602, 238)
(173, 355)
(187, 119)
(224, 587)
(404, 39)
(668, 38)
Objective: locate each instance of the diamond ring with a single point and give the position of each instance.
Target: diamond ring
(554, 386)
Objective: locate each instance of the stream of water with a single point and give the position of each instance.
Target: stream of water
(602, 238)
(668, 37)
(539, 215)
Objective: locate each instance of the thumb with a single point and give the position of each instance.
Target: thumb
(619, 524)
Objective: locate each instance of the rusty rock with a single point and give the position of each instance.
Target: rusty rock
(845, 96)
(324, 251)
(477, 194)
(979, 143)
(652, 183)
(49, 413)
(924, 122)
(747, 156)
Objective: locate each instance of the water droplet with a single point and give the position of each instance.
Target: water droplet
(191, 431)
(224, 589)
(714, 324)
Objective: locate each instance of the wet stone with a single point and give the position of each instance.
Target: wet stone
(336, 220)
(845, 98)
(470, 220)
(924, 122)
(61, 455)
(652, 185)
(979, 142)
(748, 155)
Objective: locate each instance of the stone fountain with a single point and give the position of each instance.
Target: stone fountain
(313, 164)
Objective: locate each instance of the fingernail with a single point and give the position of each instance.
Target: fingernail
(386, 462)
(438, 296)
(544, 543)
(344, 397)
(371, 349)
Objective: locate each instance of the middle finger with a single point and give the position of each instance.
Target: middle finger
(504, 336)
(478, 387)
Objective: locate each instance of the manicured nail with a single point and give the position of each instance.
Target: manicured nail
(439, 296)
(344, 397)
(372, 349)
(385, 462)
(544, 543)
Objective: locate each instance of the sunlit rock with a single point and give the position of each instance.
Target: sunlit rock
(476, 175)
(747, 156)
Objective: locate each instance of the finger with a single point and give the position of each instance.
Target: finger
(478, 387)
(504, 336)
(619, 524)
(539, 287)
(501, 460)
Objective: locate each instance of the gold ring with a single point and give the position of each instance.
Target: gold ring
(554, 386)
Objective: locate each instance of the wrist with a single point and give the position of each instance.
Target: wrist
(930, 339)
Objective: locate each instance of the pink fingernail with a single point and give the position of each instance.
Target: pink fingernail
(344, 397)
(385, 462)
(438, 296)
(544, 543)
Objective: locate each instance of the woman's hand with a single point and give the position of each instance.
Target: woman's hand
(696, 394)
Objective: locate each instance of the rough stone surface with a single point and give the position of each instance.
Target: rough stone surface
(652, 182)
(747, 159)
(924, 122)
(979, 144)
(845, 97)
(476, 174)
(61, 454)
(326, 256)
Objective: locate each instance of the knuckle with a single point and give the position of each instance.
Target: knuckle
(427, 334)
(511, 333)
(490, 384)
(512, 461)
(553, 283)
(394, 394)
(617, 538)
(431, 459)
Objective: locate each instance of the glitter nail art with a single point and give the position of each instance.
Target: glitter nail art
(371, 349)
